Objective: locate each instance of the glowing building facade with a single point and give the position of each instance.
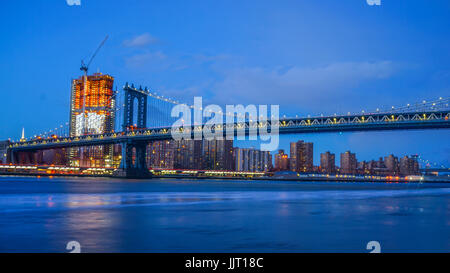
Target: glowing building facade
(92, 111)
(301, 156)
(251, 160)
(281, 161)
(161, 154)
(328, 162)
(349, 163)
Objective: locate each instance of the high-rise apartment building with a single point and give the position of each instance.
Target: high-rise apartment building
(348, 163)
(408, 166)
(161, 154)
(266, 161)
(327, 162)
(281, 161)
(190, 154)
(92, 111)
(293, 156)
(92, 105)
(251, 160)
(239, 158)
(392, 164)
(187, 154)
(301, 159)
(217, 154)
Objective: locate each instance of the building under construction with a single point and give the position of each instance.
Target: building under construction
(92, 111)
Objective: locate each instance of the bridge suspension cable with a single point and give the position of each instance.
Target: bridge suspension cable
(433, 105)
(160, 107)
(440, 104)
(429, 164)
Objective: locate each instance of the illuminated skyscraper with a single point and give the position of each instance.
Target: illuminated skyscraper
(281, 161)
(253, 160)
(348, 163)
(187, 154)
(92, 111)
(392, 164)
(217, 154)
(301, 156)
(327, 162)
(160, 154)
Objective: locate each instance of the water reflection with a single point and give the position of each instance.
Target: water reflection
(93, 229)
(207, 217)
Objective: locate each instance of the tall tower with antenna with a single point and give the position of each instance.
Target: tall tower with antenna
(22, 138)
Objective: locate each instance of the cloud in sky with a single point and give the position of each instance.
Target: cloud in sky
(227, 79)
(147, 60)
(140, 40)
(310, 86)
(143, 60)
(311, 89)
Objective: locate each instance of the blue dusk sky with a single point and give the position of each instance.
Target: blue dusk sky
(310, 57)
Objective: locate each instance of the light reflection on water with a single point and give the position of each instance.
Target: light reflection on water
(221, 216)
(12, 202)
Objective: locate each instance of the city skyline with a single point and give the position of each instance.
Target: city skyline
(161, 56)
(225, 134)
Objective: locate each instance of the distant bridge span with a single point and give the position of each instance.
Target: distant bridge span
(347, 123)
(441, 170)
(134, 141)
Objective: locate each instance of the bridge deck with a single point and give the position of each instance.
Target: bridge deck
(368, 122)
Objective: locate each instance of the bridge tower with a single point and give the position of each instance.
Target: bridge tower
(134, 152)
(131, 94)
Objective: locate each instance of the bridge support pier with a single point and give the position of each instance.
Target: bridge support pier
(134, 160)
(134, 152)
(10, 157)
(24, 157)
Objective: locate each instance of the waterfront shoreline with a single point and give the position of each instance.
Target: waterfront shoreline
(292, 179)
(220, 215)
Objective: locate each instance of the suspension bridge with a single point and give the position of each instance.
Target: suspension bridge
(149, 120)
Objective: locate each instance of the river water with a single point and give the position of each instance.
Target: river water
(172, 215)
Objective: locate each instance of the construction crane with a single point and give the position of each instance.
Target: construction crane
(85, 68)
